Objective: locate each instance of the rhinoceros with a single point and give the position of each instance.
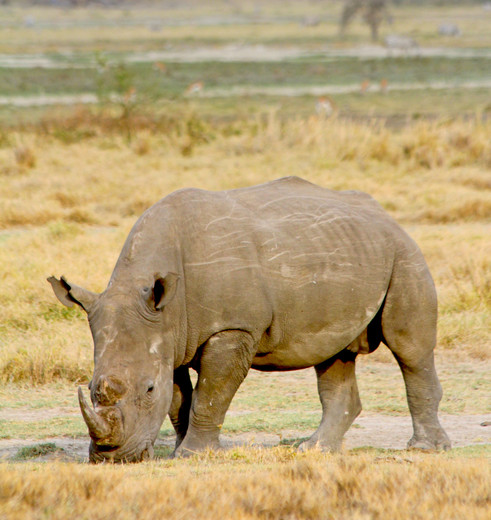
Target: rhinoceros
(281, 276)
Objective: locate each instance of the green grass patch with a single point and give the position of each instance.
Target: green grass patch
(293, 442)
(57, 395)
(56, 427)
(163, 452)
(36, 451)
(474, 451)
(271, 422)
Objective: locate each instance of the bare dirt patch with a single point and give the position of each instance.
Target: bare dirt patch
(369, 430)
(380, 431)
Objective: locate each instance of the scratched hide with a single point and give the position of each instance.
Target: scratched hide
(302, 268)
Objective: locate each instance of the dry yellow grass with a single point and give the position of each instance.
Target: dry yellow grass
(249, 483)
(428, 172)
(71, 190)
(70, 211)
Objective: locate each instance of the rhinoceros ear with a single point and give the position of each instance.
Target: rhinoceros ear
(164, 289)
(68, 293)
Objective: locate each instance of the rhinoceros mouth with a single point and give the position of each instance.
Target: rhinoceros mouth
(106, 448)
(115, 454)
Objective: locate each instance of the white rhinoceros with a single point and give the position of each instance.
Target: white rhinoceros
(281, 276)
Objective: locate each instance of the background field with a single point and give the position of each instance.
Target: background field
(97, 122)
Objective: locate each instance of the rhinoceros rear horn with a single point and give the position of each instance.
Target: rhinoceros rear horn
(164, 289)
(68, 293)
(98, 427)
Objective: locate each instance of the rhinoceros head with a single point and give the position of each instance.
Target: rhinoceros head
(134, 342)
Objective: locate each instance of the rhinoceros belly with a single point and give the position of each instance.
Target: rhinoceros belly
(319, 328)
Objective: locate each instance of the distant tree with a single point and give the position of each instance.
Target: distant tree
(373, 13)
(351, 7)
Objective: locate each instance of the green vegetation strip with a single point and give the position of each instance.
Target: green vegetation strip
(150, 81)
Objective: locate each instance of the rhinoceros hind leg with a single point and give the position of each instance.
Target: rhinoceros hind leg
(338, 391)
(409, 329)
(423, 395)
(224, 363)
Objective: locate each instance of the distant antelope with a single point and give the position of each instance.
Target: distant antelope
(194, 88)
(161, 67)
(130, 95)
(384, 84)
(325, 106)
(365, 84)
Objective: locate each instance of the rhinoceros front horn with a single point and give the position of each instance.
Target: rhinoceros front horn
(98, 427)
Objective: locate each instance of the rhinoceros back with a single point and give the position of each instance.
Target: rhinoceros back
(302, 268)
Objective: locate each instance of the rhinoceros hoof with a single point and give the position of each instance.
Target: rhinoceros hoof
(181, 453)
(315, 444)
(428, 445)
(184, 450)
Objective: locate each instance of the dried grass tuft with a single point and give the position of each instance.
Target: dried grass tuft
(307, 486)
(41, 366)
(24, 156)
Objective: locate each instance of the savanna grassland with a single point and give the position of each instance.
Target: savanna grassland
(74, 177)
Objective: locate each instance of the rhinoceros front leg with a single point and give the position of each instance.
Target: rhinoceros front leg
(338, 391)
(224, 363)
(181, 403)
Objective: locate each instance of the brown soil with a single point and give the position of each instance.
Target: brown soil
(369, 430)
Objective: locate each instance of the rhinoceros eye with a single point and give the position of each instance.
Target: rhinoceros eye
(150, 388)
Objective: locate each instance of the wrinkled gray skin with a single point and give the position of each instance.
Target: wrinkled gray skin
(281, 276)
